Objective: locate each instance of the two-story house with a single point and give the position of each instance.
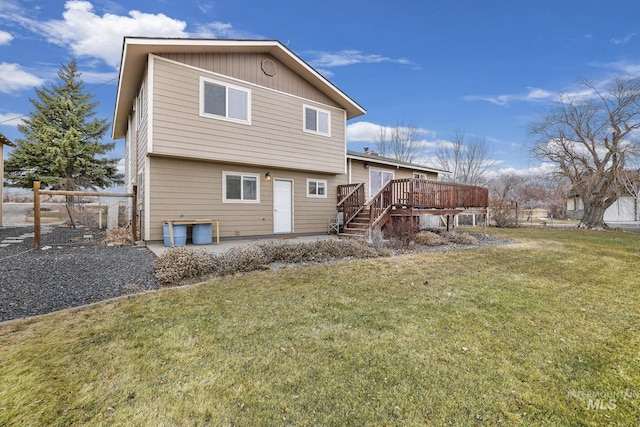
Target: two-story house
(242, 131)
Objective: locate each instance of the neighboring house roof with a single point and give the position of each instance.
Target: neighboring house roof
(376, 158)
(4, 140)
(136, 49)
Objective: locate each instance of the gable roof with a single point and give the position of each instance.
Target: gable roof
(135, 51)
(5, 141)
(376, 158)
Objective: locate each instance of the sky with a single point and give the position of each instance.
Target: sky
(485, 68)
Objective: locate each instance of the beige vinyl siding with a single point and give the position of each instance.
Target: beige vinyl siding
(248, 67)
(137, 135)
(361, 174)
(275, 137)
(183, 188)
(139, 138)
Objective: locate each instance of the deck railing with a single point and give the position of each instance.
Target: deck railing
(411, 193)
(350, 200)
(420, 193)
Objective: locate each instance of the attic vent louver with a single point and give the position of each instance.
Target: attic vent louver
(268, 67)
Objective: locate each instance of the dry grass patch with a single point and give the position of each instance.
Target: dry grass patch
(494, 336)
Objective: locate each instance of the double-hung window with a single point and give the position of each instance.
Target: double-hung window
(317, 188)
(240, 187)
(317, 121)
(223, 101)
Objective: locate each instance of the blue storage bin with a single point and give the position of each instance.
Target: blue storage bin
(201, 234)
(179, 235)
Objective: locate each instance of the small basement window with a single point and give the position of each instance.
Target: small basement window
(317, 188)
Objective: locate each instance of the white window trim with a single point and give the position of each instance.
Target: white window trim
(204, 80)
(304, 120)
(319, 196)
(224, 187)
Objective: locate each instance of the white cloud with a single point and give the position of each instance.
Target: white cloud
(223, 30)
(88, 34)
(535, 93)
(121, 166)
(532, 95)
(10, 119)
(362, 131)
(369, 132)
(323, 60)
(630, 69)
(544, 168)
(624, 40)
(5, 38)
(92, 77)
(501, 100)
(13, 78)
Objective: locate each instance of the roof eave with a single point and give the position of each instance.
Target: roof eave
(391, 162)
(5, 141)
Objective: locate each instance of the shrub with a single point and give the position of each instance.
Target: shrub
(427, 238)
(401, 231)
(377, 239)
(178, 264)
(118, 237)
(183, 263)
(460, 238)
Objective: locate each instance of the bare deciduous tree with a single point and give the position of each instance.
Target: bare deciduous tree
(503, 199)
(467, 158)
(400, 142)
(592, 140)
(512, 194)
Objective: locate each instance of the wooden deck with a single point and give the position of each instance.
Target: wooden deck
(408, 198)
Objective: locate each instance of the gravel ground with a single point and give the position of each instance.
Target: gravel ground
(69, 271)
(482, 240)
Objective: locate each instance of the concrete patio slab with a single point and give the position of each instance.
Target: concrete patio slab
(158, 248)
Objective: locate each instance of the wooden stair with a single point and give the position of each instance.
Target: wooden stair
(357, 228)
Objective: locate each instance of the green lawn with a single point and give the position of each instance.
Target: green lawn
(543, 331)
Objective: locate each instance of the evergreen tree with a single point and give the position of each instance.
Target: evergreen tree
(62, 145)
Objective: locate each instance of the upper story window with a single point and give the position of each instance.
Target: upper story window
(223, 101)
(317, 188)
(317, 121)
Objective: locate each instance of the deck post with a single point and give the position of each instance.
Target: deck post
(486, 220)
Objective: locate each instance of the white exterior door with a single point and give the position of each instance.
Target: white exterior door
(282, 206)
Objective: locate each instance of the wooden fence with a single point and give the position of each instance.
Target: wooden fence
(37, 192)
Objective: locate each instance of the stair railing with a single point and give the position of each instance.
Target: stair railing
(352, 202)
(380, 205)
